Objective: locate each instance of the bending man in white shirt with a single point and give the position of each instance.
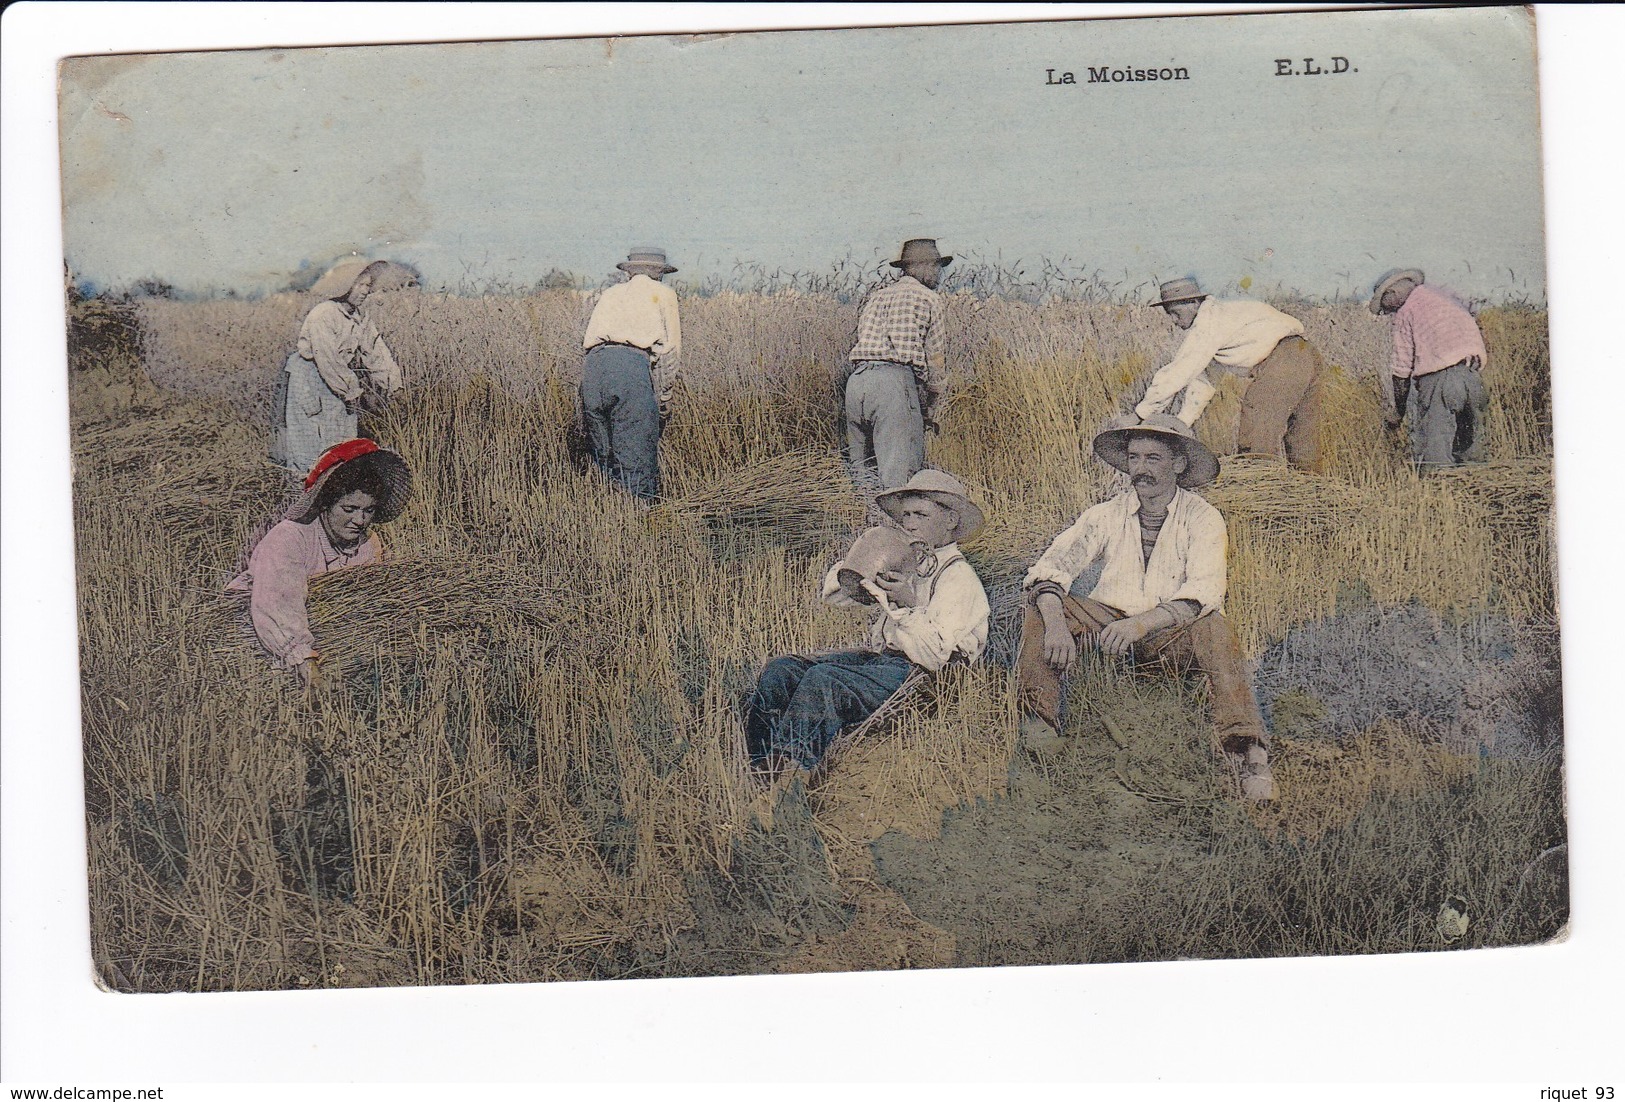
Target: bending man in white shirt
(1159, 594)
(1280, 412)
(927, 619)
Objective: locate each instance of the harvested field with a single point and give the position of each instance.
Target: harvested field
(525, 761)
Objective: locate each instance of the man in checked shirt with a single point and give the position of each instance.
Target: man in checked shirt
(896, 380)
(1438, 352)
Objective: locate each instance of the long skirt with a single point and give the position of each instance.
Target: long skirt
(311, 418)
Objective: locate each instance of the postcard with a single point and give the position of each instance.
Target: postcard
(858, 500)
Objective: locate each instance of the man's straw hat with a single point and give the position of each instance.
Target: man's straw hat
(390, 468)
(942, 488)
(1387, 280)
(1183, 289)
(921, 250)
(644, 258)
(1201, 466)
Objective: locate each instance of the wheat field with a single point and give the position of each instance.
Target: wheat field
(525, 762)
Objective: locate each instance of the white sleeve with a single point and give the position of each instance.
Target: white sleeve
(1202, 342)
(326, 328)
(1198, 393)
(1072, 550)
(1204, 547)
(930, 636)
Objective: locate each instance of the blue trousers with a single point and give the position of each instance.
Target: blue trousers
(801, 704)
(622, 417)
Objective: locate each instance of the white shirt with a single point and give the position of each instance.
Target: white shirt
(641, 312)
(1235, 335)
(951, 621)
(1188, 562)
(333, 337)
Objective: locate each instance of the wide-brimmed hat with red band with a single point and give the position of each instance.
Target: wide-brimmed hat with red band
(388, 468)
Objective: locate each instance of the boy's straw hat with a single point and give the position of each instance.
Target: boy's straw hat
(944, 489)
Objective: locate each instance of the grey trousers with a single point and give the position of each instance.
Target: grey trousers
(885, 430)
(1447, 417)
(622, 417)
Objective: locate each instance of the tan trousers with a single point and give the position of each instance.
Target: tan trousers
(1280, 412)
(1207, 644)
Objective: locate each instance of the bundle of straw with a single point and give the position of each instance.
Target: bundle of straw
(801, 500)
(396, 607)
(1515, 493)
(1270, 495)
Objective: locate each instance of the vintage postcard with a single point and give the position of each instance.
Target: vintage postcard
(814, 501)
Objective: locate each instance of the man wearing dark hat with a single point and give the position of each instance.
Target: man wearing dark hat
(1438, 353)
(1159, 594)
(1280, 412)
(928, 615)
(896, 370)
(633, 341)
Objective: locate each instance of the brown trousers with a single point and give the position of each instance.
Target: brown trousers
(1207, 644)
(1280, 412)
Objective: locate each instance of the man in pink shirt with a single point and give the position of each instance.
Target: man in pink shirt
(1438, 354)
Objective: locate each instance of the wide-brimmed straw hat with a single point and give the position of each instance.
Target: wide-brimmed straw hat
(1183, 289)
(390, 469)
(1201, 465)
(1386, 281)
(942, 488)
(646, 257)
(921, 250)
(388, 275)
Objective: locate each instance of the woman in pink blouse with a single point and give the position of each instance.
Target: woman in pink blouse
(353, 486)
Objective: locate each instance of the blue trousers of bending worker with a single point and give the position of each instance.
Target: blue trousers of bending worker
(622, 417)
(885, 429)
(801, 704)
(1448, 410)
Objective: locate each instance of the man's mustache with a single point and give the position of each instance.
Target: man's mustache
(1135, 480)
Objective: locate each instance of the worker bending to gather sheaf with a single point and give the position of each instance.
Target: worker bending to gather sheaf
(1281, 408)
(1437, 360)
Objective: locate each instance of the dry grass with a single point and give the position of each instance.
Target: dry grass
(527, 756)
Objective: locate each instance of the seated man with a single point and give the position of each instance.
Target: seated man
(929, 615)
(1158, 596)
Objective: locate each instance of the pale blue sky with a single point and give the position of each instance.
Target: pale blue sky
(499, 161)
